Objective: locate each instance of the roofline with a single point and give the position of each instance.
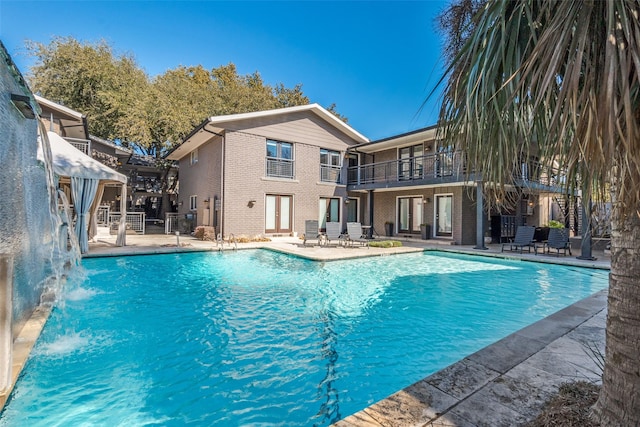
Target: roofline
(402, 135)
(391, 138)
(315, 108)
(59, 107)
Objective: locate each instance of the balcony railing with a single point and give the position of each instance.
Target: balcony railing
(428, 167)
(83, 145)
(447, 167)
(330, 173)
(279, 168)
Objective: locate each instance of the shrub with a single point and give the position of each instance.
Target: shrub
(555, 224)
(385, 244)
(205, 233)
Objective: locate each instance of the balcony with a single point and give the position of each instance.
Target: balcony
(279, 168)
(83, 145)
(442, 169)
(424, 170)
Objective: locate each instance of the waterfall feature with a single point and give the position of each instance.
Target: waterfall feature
(33, 254)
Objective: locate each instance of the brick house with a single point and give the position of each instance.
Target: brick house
(267, 172)
(411, 181)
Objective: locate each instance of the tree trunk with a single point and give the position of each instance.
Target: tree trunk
(619, 400)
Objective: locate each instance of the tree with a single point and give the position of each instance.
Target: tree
(91, 79)
(152, 116)
(561, 78)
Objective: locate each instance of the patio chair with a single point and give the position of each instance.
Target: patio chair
(311, 231)
(523, 239)
(333, 233)
(354, 234)
(559, 240)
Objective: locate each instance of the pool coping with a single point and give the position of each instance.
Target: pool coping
(506, 383)
(426, 402)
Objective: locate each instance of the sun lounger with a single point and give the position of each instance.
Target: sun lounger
(354, 234)
(333, 233)
(523, 239)
(559, 240)
(311, 231)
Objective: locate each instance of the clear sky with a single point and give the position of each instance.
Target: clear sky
(377, 61)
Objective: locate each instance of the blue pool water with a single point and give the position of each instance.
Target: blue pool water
(261, 338)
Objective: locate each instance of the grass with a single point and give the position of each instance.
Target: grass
(385, 244)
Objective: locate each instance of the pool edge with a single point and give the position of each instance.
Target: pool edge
(473, 390)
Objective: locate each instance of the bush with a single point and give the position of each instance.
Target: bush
(247, 239)
(555, 224)
(205, 233)
(385, 244)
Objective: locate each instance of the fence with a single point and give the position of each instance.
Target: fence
(135, 221)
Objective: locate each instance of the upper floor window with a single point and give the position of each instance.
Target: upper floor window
(279, 159)
(193, 158)
(193, 203)
(330, 165)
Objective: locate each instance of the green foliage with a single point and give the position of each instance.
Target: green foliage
(555, 224)
(554, 80)
(385, 244)
(152, 115)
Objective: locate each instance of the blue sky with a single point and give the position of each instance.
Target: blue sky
(377, 61)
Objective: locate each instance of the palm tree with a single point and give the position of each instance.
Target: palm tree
(561, 79)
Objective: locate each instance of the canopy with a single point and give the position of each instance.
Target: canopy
(86, 175)
(71, 162)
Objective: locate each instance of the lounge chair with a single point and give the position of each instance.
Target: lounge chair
(559, 240)
(311, 231)
(523, 239)
(354, 234)
(333, 233)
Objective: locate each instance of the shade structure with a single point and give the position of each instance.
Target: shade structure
(85, 173)
(71, 162)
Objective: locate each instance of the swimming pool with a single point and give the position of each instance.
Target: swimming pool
(257, 337)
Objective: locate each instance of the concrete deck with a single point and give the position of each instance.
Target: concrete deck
(504, 384)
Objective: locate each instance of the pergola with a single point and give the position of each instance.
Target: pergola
(88, 178)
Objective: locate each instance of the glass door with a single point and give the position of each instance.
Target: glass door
(328, 210)
(443, 215)
(409, 214)
(278, 213)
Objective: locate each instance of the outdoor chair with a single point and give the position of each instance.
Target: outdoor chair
(311, 231)
(559, 240)
(333, 233)
(523, 239)
(354, 234)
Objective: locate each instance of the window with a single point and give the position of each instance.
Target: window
(193, 159)
(279, 159)
(330, 165)
(411, 161)
(193, 203)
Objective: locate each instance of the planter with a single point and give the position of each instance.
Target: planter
(488, 240)
(388, 229)
(425, 231)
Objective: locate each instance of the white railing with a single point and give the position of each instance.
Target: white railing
(83, 145)
(102, 216)
(135, 221)
(279, 168)
(330, 173)
(171, 223)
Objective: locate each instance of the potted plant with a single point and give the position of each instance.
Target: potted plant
(487, 238)
(425, 231)
(388, 228)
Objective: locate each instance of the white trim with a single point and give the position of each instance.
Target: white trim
(397, 207)
(217, 124)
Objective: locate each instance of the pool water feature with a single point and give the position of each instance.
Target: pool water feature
(261, 338)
